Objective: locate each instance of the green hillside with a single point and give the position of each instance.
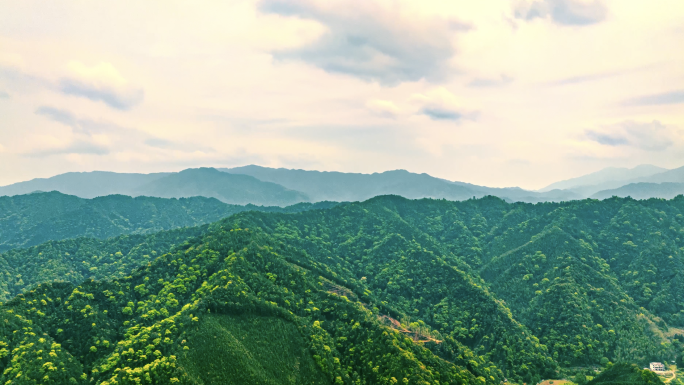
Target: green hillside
(559, 287)
(75, 260)
(379, 292)
(152, 327)
(28, 220)
(626, 374)
(258, 350)
(563, 269)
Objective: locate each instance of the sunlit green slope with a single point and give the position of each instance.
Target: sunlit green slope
(430, 291)
(152, 327)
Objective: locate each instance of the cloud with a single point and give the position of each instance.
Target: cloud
(653, 136)
(61, 116)
(76, 147)
(608, 139)
(564, 12)
(101, 138)
(584, 78)
(383, 108)
(19, 81)
(159, 143)
(4, 95)
(437, 113)
(518, 162)
(171, 145)
(491, 82)
(674, 97)
(83, 143)
(109, 96)
(374, 139)
(100, 83)
(439, 104)
(370, 42)
(80, 126)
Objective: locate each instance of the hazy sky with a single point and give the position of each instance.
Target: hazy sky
(496, 93)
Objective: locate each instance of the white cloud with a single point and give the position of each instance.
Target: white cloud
(373, 41)
(647, 136)
(352, 86)
(11, 60)
(440, 104)
(383, 108)
(564, 12)
(101, 82)
(501, 81)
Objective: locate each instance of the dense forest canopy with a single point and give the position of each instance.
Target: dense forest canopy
(624, 373)
(384, 291)
(28, 220)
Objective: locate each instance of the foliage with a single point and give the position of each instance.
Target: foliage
(626, 374)
(28, 220)
(380, 292)
(141, 328)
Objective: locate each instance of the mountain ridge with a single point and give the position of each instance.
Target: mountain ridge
(28, 220)
(338, 186)
(265, 186)
(609, 177)
(427, 290)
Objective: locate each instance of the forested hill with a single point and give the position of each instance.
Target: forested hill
(624, 373)
(591, 279)
(379, 292)
(31, 219)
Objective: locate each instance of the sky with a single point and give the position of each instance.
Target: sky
(495, 93)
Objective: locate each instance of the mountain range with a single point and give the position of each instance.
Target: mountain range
(31, 219)
(641, 182)
(265, 186)
(385, 291)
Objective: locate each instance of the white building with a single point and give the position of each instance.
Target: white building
(657, 367)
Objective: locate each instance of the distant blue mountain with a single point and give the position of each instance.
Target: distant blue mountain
(283, 187)
(84, 184)
(206, 182)
(228, 188)
(607, 178)
(339, 186)
(643, 191)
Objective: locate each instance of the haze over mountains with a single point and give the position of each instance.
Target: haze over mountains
(607, 178)
(265, 186)
(641, 182)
